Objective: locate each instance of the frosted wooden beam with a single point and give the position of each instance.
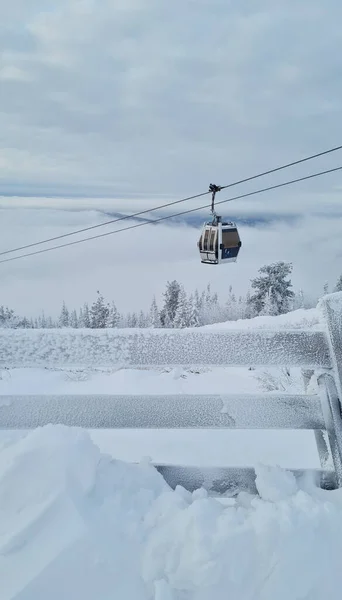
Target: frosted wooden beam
(151, 348)
(241, 411)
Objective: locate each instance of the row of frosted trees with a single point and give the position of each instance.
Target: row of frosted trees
(271, 293)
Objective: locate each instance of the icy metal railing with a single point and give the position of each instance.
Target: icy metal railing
(316, 352)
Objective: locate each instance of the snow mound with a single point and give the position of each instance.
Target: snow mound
(67, 518)
(75, 523)
(301, 318)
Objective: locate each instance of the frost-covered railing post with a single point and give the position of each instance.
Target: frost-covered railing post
(330, 383)
(317, 352)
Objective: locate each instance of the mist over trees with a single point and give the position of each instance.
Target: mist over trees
(270, 293)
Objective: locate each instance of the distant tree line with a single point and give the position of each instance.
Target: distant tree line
(270, 293)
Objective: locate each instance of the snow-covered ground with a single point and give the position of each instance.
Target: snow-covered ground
(76, 524)
(78, 520)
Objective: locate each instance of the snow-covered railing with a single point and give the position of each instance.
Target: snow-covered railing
(313, 351)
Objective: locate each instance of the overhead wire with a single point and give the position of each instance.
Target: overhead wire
(173, 203)
(166, 217)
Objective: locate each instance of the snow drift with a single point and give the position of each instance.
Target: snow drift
(78, 524)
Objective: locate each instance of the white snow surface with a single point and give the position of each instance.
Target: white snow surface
(78, 524)
(301, 318)
(80, 521)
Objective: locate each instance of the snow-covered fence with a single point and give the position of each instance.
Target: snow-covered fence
(313, 351)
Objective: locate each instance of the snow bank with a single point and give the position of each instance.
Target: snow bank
(68, 517)
(77, 524)
(301, 318)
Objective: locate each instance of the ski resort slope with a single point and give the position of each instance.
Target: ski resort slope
(79, 522)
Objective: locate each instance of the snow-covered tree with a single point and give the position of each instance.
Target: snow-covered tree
(210, 310)
(42, 322)
(338, 286)
(154, 317)
(131, 320)
(24, 323)
(73, 320)
(273, 280)
(113, 316)
(269, 307)
(49, 323)
(143, 320)
(168, 311)
(232, 310)
(84, 316)
(193, 312)
(63, 320)
(7, 317)
(298, 300)
(181, 318)
(99, 313)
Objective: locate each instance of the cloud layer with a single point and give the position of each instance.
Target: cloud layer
(138, 96)
(130, 267)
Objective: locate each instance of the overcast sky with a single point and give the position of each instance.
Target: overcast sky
(150, 97)
(112, 105)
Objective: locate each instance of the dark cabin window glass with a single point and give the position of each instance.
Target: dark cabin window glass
(230, 238)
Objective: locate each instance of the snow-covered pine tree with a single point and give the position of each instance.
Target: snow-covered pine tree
(270, 308)
(49, 323)
(143, 320)
(154, 317)
(250, 308)
(42, 321)
(298, 300)
(63, 320)
(73, 320)
(273, 280)
(168, 312)
(210, 311)
(99, 313)
(113, 316)
(84, 317)
(208, 293)
(181, 318)
(8, 317)
(24, 323)
(231, 309)
(338, 286)
(193, 313)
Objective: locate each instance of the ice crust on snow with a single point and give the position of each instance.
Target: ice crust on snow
(77, 524)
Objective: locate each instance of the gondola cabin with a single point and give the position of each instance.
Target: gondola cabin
(219, 242)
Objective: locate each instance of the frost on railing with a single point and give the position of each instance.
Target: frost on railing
(150, 348)
(331, 307)
(318, 353)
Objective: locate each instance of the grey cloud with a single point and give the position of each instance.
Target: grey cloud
(159, 97)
